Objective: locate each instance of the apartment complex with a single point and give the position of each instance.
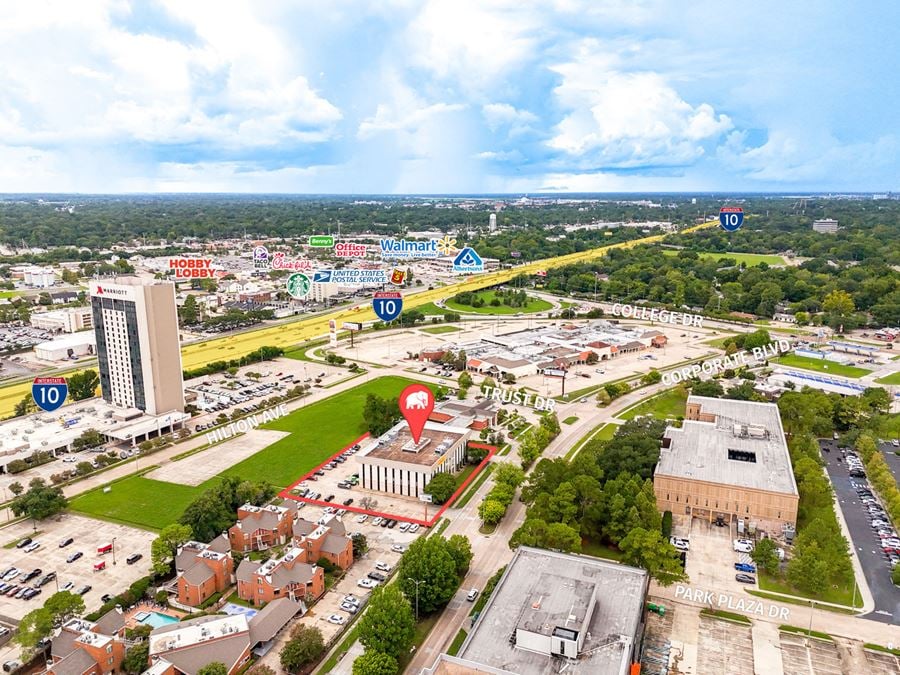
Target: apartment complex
(89, 647)
(395, 464)
(729, 460)
(261, 527)
(138, 351)
(203, 570)
(289, 576)
(326, 539)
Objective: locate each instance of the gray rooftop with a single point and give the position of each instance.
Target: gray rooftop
(700, 450)
(542, 587)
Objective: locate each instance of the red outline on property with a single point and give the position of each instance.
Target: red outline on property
(286, 493)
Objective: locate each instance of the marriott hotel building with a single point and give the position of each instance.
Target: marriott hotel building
(136, 324)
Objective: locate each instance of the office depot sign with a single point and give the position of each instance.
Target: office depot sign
(193, 268)
(346, 249)
(656, 314)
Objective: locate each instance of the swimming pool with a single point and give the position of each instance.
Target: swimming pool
(154, 619)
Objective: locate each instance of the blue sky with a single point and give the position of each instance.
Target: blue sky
(396, 96)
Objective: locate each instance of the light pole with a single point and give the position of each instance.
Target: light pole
(114, 549)
(416, 582)
(809, 630)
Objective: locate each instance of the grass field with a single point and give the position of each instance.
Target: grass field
(431, 309)
(533, 305)
(437, 330)
(570, 420)
(155, 504)
(461, 636)
(838, 596)
(749, 259)
(893, 378)
(670, 403)
(821, 366)
(8, 294)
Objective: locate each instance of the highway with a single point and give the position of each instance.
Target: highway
(293, 333)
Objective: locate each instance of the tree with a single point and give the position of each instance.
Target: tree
(388, 626)
(380, 414)
(26, 406)
(136, 658)
(165, 546)
(429, 561)
(651, 377)
(461, 550)
(510, 474)
(40, 501)
(464, 380)
(649, 550)
(91, 438)
(34, 627)
(360, 545)
(765, 556)
(63, 606)
(371, 662)
(16, 488)
(188, 314)
(491, 511)
(710, 388)
(537, 532)
(441, 487)
(838, 303)
(214, 668)
(592, 358)
(304, 646)
(83, 385)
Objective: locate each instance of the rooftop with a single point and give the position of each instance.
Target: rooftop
(397, 444)
(540, 592)
(744, 446)
(194, 631)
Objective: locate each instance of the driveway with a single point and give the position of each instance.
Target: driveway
(868, 548)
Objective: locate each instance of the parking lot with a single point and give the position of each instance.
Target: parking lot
(816, 657)
(711, 558)
(866, 538)
(724, 647)
(88, 536)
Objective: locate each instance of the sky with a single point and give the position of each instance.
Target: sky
(448, 96)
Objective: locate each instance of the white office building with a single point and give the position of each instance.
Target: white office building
(64, 320)
(825, 226)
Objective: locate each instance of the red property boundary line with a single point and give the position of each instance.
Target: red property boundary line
(286, 493)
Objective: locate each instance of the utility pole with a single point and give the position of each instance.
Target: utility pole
(416, 582)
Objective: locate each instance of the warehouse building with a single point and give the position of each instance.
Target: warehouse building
(67, 347)
(729, 460)
(556, 613)
(393, 463)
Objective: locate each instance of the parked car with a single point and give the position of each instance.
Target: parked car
(10, 573)
(392, 523)
(75, 556)
(68, 586)
(348, 502)
(46, 579)
(742, 546)
(398, 548)
(366, 583)
(84, 589)
(403, 527)
(377, 576)
(362, 518)
(352, 599)
(22, 543)
(349, 607)
(745, 567)
(680, 543)
(472, 594)
(32, 547)
(337, 619)
(384, 567)
(745, 578)
(133, 558)
(65, 542)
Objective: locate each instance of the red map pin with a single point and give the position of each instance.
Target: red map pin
(416, 403)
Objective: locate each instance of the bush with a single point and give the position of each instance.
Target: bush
(139, 588)
(161, 598)
(17, 466)
(327, 565)
(210, 601)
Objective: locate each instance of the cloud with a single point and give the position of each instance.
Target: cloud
(498, 115)
(620, 119)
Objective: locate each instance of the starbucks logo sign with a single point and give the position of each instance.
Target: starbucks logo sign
(298, 285)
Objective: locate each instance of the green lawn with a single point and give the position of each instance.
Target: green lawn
(821, 366)
(314, 437)
(437, 330)
(749, 259)
(663, 406)
(8, 294)
(728, 616)
(570, 420)
(719, 342)
(804, 603)
(430, 309)
(838, 596)
(600, 550)
(533, 305)
(604, 432)
(453, 649)
(893, 378)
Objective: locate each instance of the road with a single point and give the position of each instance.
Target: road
(289, 334)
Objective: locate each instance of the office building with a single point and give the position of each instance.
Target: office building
(136, 325)
(556, 613)
(64, 320)
(729, 460)
(825, 226)
(393, 463)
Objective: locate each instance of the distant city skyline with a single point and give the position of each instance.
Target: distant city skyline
(448, 97)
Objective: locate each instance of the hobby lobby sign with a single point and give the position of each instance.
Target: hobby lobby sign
(193, 268)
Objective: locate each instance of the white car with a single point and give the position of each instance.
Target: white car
(352, 599)
(328, 509)
(337, 619)
(366, 583)
(341, 512)
(377, 521)
(680, 544)
(13, 572)
(68, 586)
(363, 518)
(742, 546)
(384, 567)
(403, 527)
(413, 528)
(69, 460)
(33, 546)
(398, 548)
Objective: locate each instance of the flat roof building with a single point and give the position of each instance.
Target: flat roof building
(393, 463)
(825, 226)
(67, 320)
(730, 460)
(66, 347)
(138, 351)
(556, 612)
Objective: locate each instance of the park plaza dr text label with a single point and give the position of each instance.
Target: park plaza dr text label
(727, 601)
(242, 426)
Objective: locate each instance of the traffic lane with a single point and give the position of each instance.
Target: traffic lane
(868, 547)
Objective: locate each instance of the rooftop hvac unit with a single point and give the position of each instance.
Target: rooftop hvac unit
(757, 431)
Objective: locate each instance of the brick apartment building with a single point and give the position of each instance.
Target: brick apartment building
(289, 576)
(89, 648)
(261, 527)
(328, 541)
(203, 570)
